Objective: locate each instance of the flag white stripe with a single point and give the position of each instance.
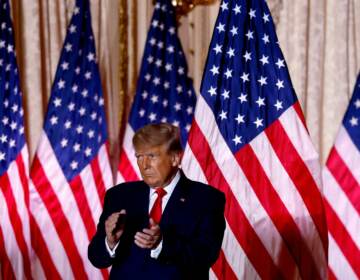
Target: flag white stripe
(61, 187)
(53, 243)
(189, 164)
(119, 178)
(66, 198)
(129, 150)
(212, 275)
(341, 205)
(348, 152)
(232, 250)
(17, 187)
(289, 195)
(18, 191)
(38, 273)
(299, 137)
(91, 193)
(338, 263)
(105, 168)
(10, 243)
(242, 190)
(234, 255)
(25, 158)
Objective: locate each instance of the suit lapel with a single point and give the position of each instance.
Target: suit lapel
(177, 201)
(141, 204)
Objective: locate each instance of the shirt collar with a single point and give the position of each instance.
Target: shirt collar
(170, 187)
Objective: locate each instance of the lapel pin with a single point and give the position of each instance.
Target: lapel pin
(182, 199)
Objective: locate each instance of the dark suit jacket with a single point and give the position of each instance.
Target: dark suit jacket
(192, 227)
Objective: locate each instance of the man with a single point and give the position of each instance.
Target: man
(164, 227)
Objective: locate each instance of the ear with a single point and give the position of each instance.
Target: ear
(176, 159)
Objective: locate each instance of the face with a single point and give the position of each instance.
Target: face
(157, 165)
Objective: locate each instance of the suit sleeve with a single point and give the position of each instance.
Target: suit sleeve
(97, 252)
(201, 249)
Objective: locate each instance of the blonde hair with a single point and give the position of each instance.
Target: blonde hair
(158, 134)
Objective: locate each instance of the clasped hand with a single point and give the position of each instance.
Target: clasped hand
(148, 238)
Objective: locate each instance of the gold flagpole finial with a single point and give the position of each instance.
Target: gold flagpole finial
(183, 7)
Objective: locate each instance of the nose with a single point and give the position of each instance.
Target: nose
(146, 163)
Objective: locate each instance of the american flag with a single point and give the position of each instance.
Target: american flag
(71, 170)
(249, 140)
(15, 251)
(164, 92)
(341, 178)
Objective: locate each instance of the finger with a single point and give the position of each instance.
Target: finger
(116, 214)
(145, 243)
(141, 245)
(109, 229)
(152, 222)
(152, 232)
(155, 239)
(120, 221)
(113, 217)
(144, 236)
(142, 240)
(110, 223)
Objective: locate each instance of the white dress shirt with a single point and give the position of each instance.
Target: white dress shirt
(152, 197)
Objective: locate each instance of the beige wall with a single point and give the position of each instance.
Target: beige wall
(320, 40)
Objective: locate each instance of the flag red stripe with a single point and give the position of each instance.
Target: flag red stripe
(16, 222)
(97, 174)
(300, 113)
(344, 177)
(7, 271)
(78, 190)
(343, 239)
(242, 229)
(100, 186)
(279, 214)
(125, 167)
(221, 268)
(42, 252)
(300, 175)
(58, 217)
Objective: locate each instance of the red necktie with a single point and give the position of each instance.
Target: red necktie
(156, 210)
